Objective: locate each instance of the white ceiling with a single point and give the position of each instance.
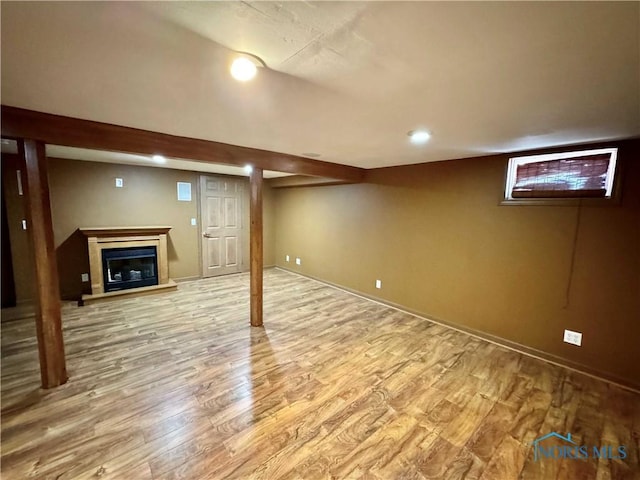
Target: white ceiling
(347, 80)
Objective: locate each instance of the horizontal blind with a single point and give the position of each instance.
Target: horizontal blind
(568, 177)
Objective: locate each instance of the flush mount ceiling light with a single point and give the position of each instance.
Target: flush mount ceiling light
(245, 66)
(419, 137)
(243, 69)
(158, 159)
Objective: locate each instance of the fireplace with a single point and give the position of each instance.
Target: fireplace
(129, 268)
(127, 261)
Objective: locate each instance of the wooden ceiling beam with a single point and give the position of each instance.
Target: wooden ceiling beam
(303, 181)
(75, 132)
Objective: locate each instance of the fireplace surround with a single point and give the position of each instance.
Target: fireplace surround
(127, 261)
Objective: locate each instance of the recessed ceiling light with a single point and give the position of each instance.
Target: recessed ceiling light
(418, 137)
(158, 159)
(248, 168)
(243, 69)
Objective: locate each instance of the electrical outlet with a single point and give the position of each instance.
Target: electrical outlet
(286, 258)
(298, 261)
(119, 182)
(84, 277)
(378, 283)
(574, 338)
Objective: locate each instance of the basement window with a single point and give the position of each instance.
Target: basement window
(586, 174)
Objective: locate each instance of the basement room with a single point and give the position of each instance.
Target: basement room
(320, 240)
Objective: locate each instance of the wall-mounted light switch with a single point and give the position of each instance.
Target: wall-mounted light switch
(574, 338)
(193, 222)
(298, 261)
(84, 277)
(24, 224)
(378, 283)
(286, 258)
(119, 182)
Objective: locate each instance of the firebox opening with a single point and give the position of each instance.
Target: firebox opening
(125, 268)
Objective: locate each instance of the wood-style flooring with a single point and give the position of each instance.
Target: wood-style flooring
(179, 386)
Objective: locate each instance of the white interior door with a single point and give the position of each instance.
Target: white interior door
(221, 218)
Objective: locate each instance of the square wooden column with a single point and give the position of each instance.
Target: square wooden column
(255, 246)
(53, 371)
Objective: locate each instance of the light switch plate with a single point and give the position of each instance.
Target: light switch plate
(84, 277)
(193, 222)
(378, 283)
(298, 261)
(574, 338)
(286, 258)
(119, 182)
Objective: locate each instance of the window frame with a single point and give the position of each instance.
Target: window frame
(612, 183)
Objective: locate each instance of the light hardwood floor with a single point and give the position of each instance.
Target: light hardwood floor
(179, 385)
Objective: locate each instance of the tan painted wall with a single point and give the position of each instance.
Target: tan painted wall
(268, 226)
(83, 194)
(442, 245)
(20, 244)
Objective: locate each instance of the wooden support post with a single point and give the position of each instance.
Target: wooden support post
(255, 248)
(53, 371)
